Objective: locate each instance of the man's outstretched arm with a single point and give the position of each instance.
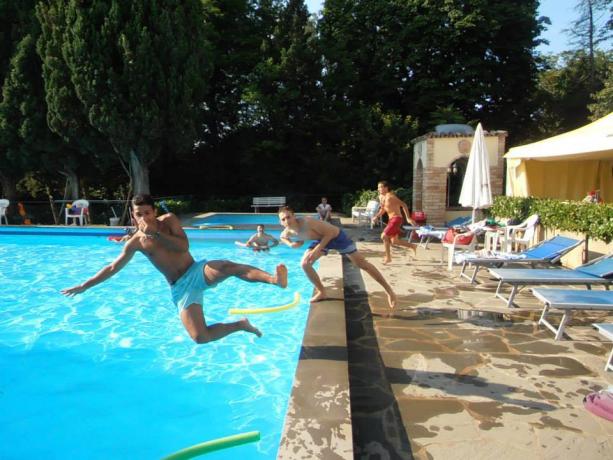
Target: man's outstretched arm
(285, 238)
(114, 267)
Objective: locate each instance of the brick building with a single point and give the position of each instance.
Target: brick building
(439, 162)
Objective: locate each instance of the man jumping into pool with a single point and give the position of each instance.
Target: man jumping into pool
(165, 244)
(326, 236)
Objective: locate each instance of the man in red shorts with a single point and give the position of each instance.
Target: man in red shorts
(393, 206)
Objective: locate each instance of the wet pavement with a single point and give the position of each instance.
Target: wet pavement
(454, 373)
(451, 373)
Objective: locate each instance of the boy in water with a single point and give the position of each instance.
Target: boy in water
(165, 244)
(393, 206)
(261, 241)
(326, 236)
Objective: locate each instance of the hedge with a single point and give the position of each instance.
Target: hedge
(595, 220)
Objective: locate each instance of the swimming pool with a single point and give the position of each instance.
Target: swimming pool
(252, 219)
(112, 373)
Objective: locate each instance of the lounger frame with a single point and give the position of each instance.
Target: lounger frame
(569, 301)
(517, 285)
(606, 329)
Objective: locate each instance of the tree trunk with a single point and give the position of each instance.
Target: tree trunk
(71, 192)
(140, 174)
(72, 184)
(56, 218)
(591, 33)
(9, 188)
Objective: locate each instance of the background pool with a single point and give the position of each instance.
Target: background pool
(241, 219)
(112, 373)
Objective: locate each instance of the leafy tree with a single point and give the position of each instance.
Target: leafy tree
(593, 27)
(419, 56)
(15, 23)
(138, 69)
(603, 99)
(283, 102)
(29, 143)
(565, 89)
(66, 115)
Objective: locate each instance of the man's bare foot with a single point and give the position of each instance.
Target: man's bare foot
(281, 276)
(318, 297)
(387, 260)
(246, 326)
(414, 249)
(391, 298)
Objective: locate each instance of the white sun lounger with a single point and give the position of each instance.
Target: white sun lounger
(595, 272)
(606, 329)
(570, 300)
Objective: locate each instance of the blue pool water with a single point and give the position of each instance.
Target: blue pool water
(239, 219)
(111, 373)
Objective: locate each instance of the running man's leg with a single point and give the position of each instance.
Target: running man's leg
(195, 324)
(359, 260)
(320, 291)
(216, 271)
(387, 247)
(396, 241)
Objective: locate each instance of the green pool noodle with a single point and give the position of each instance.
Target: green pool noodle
(215, 444)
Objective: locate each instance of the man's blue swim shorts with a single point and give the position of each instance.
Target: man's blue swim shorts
(188, 289)
(342, 243)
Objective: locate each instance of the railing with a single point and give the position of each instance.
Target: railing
(39, 212)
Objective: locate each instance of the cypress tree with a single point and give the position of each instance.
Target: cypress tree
(137, 69)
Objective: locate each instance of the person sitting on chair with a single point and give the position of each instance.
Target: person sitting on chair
(324, 210)
(261, 241)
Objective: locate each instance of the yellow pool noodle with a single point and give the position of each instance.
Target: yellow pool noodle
(216, 444)
(249, 311)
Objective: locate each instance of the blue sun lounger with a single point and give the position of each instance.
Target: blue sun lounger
(570, 300)
(598, 271)
(547, 252)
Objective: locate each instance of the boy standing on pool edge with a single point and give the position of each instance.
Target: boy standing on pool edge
(164, 242)
(327, 236)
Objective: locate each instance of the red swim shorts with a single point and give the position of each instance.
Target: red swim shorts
(393, 226)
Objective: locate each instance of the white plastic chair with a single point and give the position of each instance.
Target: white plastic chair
(4, 204)
(78, 211)
(521, 235)
(365, 213)
(455, 246)
(474, 230)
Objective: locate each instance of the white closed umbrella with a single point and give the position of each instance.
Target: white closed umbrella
(476, 187)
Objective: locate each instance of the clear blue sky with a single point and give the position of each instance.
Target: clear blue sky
(560, 12)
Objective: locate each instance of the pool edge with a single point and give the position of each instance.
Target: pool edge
(318, 419)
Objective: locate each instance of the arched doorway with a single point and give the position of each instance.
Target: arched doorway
(455, 177)
(418, 186)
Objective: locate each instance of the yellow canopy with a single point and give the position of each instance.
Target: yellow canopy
(567, 166)
(590, 142)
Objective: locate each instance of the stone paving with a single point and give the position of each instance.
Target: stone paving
(453, 373)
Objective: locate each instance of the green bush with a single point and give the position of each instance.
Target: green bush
(175, 206)
(359, 198)
(362, 197)
(405, 194)
(591, 219)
